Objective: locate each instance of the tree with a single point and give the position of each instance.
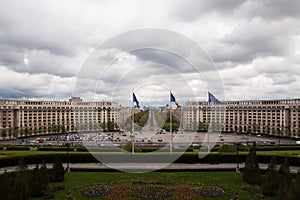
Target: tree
(35, 130)
(15, 133)
(285, 173)
(10, 134)
(274, 131)
(22, 132)
(298, 132)
(27, 132)
(267, 129)
(241, 129)
(21, 189)
(45, 173)
(272, 180)
(35, 184)
(128, 147)
(175, 124)
(294, 191)
(255, 128)
(55, 128)
(22, 167)
(3, 134)
(203, 127)
(110, 126)
(39, 180)
(226, 148)
(58, 172)
(252, 173)
(63, 129)
(49, 129)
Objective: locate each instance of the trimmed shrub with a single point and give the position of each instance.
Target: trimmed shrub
(226, 148)
(55, 149)
(58, 172)
(18, 148)
(252, 173)
(272, 180)
(7, 181)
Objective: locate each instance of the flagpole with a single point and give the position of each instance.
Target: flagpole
(208, 146)
(171, 134)
(132, 127)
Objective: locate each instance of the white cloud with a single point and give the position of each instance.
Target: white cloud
(34, 85)
(255, 44)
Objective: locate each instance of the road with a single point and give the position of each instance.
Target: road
(149, 166)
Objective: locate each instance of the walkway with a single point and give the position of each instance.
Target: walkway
(149, 166)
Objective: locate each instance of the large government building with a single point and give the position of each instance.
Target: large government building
(28, 117)
(31, 117)
(273, 117)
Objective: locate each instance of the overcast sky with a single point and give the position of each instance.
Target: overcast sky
(44, 45)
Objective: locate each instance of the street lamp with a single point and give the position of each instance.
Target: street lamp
(68, 166)
(238, 144)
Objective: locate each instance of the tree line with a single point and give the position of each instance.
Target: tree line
(24, 184)
(277, 183)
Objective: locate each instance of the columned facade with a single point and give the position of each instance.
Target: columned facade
(27, 117)
(272, 117)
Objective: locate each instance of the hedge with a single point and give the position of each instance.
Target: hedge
(55, 149)
(158, 158)
(79, 149)
(38, 159)
(18, 148)
(277, 147)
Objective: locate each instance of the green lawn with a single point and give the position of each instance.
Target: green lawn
(229, 181)
(280, 153)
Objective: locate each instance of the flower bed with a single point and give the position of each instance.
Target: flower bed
(209, 191)
(152, 192)
(120, 192)
(96, 191)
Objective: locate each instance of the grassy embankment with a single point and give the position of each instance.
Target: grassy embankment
(229, 181)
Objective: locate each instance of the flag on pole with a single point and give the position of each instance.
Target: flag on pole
(212, 98)
(135, 100)
(173, 99)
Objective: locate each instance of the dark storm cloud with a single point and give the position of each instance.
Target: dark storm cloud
(36, 25)
(258, 38)
(270, 9)
(193, 9)
(166, 58)
(11, 56)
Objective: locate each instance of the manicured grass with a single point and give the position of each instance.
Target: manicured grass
(229, 181)
(280, 153)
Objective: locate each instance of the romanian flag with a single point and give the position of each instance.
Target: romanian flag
(173, 99)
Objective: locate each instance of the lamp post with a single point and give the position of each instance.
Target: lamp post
(68, 166)
(238, 144)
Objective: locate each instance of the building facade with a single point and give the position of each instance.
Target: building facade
(272, 117)
(27, 117)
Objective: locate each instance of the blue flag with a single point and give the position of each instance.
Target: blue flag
(136, 101)
(212, 98)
